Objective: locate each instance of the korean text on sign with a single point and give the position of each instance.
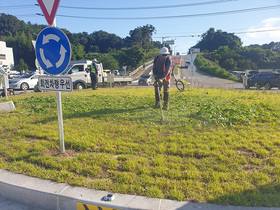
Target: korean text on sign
(62, 84)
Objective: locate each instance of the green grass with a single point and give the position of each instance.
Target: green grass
(214, 146)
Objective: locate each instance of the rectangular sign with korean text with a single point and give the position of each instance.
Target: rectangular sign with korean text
(169, 42)
(57, 84)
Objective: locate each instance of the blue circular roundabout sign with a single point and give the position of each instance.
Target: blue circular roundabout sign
(53, 50)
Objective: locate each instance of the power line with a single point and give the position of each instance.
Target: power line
(258, 31)
(150, 7)
(175, 16)
(17, 6)
(23, 15)
(243, 32)
(26, 15)
(126, 8)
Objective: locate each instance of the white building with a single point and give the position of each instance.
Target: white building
(6, 56)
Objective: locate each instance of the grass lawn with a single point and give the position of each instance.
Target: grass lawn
(214, 146)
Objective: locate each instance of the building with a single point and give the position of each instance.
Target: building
(6, 56)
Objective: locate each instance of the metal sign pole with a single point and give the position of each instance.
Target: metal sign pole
(5, 76)
(60, 121)
(191, 65)
(59, 114)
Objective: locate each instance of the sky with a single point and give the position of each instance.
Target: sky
(184, 21)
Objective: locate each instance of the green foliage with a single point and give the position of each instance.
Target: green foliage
(78, 52)
(211, 68)
(132, 57)
(23, 50)
(22, 66)
(225, 49)
(141, 36)
(244, 58)
(108, 61)
(212, 40)
(9, 25)
(19, 35)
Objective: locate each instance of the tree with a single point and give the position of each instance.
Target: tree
(131, 57)
(141, 36)
(212, 40)
(9, 25)
(104, 41)
(108, 61)
(228, 64)
(23, 49)
(21, 66)
(78, 52)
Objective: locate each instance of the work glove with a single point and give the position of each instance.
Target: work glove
(156, 83)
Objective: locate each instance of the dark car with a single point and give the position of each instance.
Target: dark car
(145, 80)
(266, 80)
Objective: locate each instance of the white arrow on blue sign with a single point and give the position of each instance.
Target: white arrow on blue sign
(53, 50)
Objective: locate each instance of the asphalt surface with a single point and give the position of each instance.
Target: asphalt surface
(203, 80)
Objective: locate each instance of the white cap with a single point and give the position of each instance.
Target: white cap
(94, 60)
(164, 51)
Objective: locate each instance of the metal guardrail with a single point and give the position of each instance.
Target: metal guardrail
(140, 68)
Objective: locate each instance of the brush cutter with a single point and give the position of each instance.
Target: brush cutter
(157, 86)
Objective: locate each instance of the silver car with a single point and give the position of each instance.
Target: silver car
(25, 82)
(145, 80)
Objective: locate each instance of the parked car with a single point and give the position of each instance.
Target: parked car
(13, 76)
(25, 82)
(250, 73)
(266, 80)
(145, 80)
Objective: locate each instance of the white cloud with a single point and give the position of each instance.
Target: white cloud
(265, 32)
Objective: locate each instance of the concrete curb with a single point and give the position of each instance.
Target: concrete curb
(7, 106)
(45, 194)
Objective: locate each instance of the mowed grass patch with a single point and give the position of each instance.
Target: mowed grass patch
(214, 146)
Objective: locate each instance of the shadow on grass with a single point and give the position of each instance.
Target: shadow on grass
(101, 113)
(264, 196)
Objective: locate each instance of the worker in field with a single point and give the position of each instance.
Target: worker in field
(93, 74)
(162, 74)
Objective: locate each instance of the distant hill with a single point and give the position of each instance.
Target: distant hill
(226, 50)
(19, 36)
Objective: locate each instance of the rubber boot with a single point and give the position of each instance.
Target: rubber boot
(166, 101)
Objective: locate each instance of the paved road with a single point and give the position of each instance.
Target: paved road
(204, 80)
(6, 204)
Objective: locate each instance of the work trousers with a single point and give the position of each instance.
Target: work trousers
(166, 88)
(94, 81)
